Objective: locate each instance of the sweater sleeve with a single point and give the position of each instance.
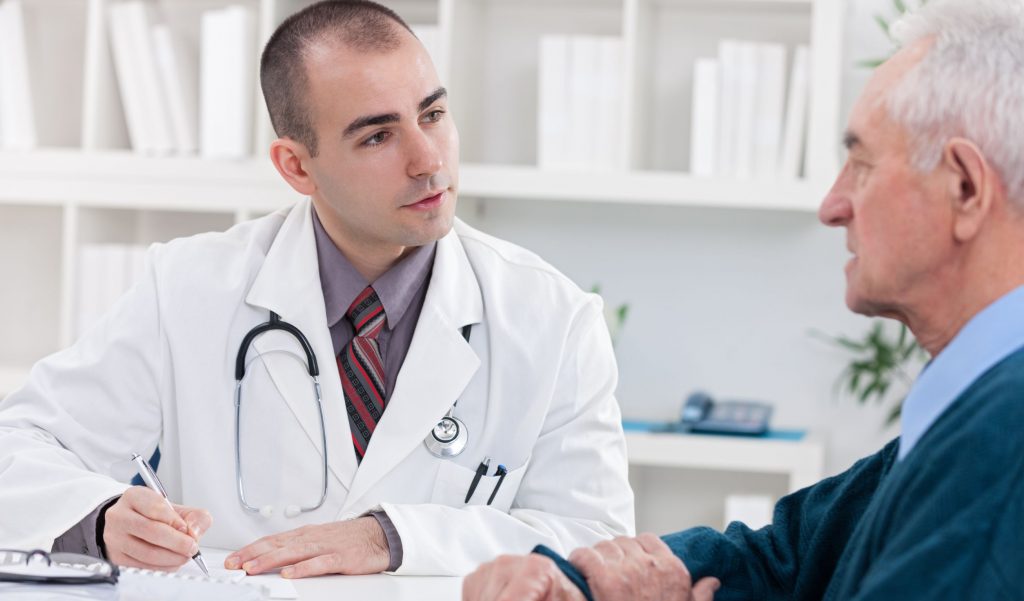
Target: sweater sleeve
(794, 557)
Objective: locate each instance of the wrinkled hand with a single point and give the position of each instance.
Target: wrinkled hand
(519, 578)
(351, 547)
(142, 531)
(639, 569)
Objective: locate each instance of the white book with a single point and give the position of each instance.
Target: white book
(608, 124)
(704, 118)
(553, 102)
(101, 282)
(103, 114)
(584, 94)
(154, 101)
(135, 266)
(87, 289)
(227, 70)
(771, 93)
(3, 85)
(17, 116)
(129, 82)
(178, 75)
(728, 88)
(746, 110)
(796, 116)
(753, 510)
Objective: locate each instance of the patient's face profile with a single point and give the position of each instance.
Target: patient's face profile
(387, 165)
(897, 227)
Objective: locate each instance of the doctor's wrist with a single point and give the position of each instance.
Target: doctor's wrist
(391, 539)
(101, 522)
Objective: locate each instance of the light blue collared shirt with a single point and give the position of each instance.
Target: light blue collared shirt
(988, 338)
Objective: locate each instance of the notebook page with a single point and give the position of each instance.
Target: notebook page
(278, 588)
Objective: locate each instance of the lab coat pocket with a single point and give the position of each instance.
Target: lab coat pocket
(453, 482)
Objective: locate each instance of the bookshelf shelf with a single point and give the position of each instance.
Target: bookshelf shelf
(127, 181)
(121, 179)
(638, 188)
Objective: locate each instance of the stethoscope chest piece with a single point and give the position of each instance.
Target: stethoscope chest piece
(448, 438)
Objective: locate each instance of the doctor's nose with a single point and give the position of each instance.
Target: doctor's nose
(425, 157)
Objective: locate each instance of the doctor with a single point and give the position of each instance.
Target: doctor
(410, 316)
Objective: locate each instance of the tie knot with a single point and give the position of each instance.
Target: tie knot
(366, 314)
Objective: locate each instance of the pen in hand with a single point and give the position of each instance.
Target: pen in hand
(153, 483)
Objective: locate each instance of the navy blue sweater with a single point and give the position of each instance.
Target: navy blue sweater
(947, 522)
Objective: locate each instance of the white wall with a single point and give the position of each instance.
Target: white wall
(720, 300)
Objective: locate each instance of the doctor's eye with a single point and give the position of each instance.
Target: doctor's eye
(376, 139)
(434, 116)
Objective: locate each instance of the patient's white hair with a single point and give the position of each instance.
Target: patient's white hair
(970, 84)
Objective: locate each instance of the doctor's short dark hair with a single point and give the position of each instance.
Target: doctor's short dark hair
(358, 24)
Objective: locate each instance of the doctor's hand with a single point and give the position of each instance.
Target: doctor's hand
(351, 547)
(519, 578)
(640, 569)
(141, 531)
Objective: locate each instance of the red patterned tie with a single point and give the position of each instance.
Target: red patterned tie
(362, 369)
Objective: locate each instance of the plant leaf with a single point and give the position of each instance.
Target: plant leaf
(882, 23)
(871, 63)
(894, 413)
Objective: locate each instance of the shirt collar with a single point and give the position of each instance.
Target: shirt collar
(341, 283)
(988, 338)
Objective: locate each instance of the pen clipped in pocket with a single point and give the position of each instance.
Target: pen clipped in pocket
(454, 481)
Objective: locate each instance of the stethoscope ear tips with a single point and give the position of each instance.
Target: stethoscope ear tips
(292, 511)
(266, 511)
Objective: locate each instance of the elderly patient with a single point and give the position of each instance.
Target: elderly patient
(932, 199)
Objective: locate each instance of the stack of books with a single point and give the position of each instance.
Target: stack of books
(745, 124)
(180, 101)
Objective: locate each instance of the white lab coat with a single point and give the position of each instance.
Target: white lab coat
(534, 386)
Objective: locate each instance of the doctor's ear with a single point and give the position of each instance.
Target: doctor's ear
(290, 158)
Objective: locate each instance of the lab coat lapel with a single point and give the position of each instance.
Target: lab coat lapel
(437, 368)
(288, 283)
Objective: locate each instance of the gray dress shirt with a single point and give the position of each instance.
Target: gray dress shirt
(401, 290)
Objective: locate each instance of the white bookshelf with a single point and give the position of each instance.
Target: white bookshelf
(85, 185)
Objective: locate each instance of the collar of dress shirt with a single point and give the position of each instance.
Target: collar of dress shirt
(341, 282)
(988, 338)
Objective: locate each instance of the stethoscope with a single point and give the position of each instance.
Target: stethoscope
(446, 439)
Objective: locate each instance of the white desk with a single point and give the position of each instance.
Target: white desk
(802, 461)
(379, 587)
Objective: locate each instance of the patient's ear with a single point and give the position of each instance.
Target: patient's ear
(290, 159)
(970, 185)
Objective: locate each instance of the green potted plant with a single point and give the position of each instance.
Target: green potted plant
(882, 364)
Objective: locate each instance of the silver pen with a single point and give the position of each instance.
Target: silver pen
(149, 477)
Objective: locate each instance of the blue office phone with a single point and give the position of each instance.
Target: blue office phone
(702, 414)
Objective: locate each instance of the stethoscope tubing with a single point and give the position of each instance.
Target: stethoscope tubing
(437, 447)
